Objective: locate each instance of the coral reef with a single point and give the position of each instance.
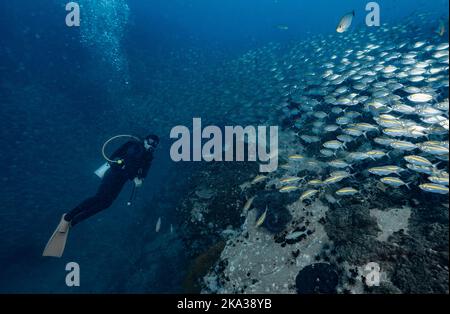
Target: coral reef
(200, 266)
(317, 278)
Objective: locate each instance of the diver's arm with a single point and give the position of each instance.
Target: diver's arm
(143, 172)
(146, 167)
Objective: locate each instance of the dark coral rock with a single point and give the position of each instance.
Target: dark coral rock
(384, 288)
(351, 281)
(354, 232)
(298, 239)
(317, 278)
(354, 272)
(277, 219)
(277, 214)
(272, 198)
(200, 267)
(420, 270)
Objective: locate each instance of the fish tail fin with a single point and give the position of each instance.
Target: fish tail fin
(407, 185)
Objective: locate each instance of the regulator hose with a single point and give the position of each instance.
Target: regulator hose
(120, 161)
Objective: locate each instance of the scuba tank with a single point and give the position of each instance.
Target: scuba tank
(100, 172)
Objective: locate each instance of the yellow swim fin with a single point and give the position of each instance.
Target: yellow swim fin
(55, 246)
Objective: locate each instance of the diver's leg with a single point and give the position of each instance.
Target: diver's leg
(108, 191)
(87, 203)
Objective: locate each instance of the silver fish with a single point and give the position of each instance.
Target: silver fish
(345, 22)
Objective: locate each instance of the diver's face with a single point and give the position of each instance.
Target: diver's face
(150, 144)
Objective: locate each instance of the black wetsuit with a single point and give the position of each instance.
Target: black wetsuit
(136, 163)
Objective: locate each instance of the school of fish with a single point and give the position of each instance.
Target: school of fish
(364, 103)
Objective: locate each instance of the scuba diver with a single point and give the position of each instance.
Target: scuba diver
(131, 162)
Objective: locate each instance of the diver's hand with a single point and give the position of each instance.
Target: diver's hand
(137, 182)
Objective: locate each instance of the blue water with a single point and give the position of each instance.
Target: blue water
(60, 99)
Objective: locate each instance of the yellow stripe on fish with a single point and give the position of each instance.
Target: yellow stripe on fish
(296, 157)
(385, 170)
(288, 188)
(315, 182)
(418, 160)
(308, 194)
(261, 218)
(334, 179)
(434, 188)
(248, 203)
(290, 179)
(346, 191)
(393, 181)
(441, 180)
(258, 179)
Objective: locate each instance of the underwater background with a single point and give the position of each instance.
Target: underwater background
(139, 67)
